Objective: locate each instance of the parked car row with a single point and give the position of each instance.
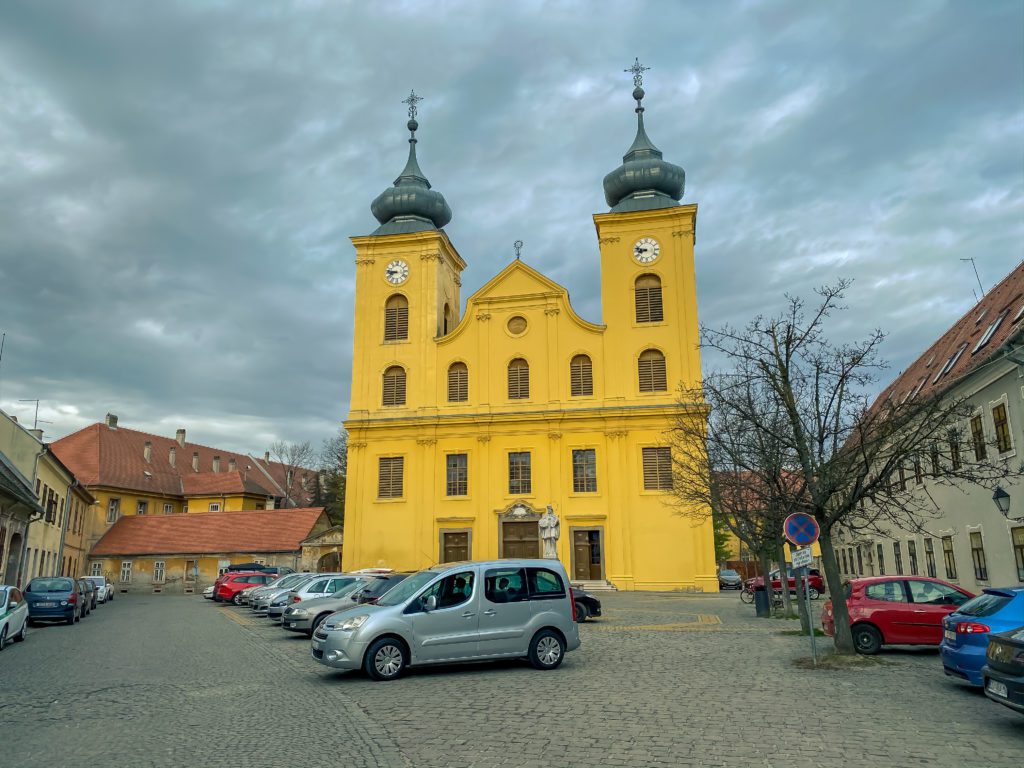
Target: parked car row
(49, 598)
(384, 622)
(980, 637)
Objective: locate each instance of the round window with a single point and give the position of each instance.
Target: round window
(516, 325)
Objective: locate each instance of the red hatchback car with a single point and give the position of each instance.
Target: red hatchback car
(814, 582)
(232, 583)
(896, 610)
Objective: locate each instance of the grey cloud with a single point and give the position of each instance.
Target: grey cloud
(180, 179)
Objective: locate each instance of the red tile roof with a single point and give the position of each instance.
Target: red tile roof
(271, 530)
(103, 456)
(220, 482)
(960, 350)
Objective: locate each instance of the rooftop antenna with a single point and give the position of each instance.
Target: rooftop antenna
(3, 338)
(976, 277)
(35, 420)
(518, 245)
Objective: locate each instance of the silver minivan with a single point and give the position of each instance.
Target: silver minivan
(457, 612)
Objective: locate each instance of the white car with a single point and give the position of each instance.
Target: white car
(13, 615)
(104, 589)
(208, 592)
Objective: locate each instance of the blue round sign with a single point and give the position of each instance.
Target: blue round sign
(801, 529)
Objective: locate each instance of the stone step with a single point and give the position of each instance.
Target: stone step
(595, 586)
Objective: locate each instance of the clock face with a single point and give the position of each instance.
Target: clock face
(396, 272)
(646, 250)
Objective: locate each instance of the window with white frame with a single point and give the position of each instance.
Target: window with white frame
(214, 506)
(113, 510)
(141, 507)
(158, 571)
(126, 571)
(168, 509)
(97, 569)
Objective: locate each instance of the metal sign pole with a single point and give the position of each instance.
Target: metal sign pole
(810, 616)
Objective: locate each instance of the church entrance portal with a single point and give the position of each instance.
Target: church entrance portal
(520, 539)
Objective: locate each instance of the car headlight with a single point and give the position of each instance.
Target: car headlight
(300, 612)
(354, 622)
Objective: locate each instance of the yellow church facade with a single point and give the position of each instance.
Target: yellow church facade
(466, 425)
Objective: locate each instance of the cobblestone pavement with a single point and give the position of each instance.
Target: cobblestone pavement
(661, 680)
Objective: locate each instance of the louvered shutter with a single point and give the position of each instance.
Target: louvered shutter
(581, 379)
(396, 319)
(518, 380)
(394, 387)
(390, 476)
(458, 383)
(648, 300)
(657, 469)
(651, 371)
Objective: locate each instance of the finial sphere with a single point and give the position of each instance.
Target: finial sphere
(412, 125)
(638, 93)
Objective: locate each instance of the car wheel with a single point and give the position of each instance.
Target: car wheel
(317, 622)
(547, 649)
(581, 612)
(3, 637)
(20, 637)
(867, 639)
(812, 593)
(385, 659)
(237, 599)
(72, 618)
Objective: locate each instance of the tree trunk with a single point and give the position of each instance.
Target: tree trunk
(787, 604)
(834, 581)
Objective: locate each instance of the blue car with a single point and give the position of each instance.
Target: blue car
(965, 632)
(55, 597)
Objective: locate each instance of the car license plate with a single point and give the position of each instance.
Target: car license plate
(292, 624)
(997, 689)
(950, 636)
(45, 605)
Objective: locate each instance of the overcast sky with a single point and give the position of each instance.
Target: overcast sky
(178, 181)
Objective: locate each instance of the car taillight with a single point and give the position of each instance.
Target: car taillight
(971, 628)
(73, 598)
(296, 599)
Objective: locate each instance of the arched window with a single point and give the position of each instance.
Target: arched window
(648, 299)
(396, 318)
(581, 378)
(458, 383)
(651, 368)
(394, 386)
(518, 379)
(447, 320)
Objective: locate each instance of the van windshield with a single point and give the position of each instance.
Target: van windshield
(409, 587)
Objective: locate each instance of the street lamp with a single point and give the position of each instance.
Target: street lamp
(1002, 501)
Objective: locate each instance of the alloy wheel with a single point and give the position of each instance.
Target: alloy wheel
(548, 650)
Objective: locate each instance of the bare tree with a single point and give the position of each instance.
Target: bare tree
(332, 470)
(729, 468)
(847, 455)
(296, 458)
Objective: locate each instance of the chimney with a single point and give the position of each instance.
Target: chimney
(195, 461)
(266, 456)
(37, 434)
(171, 456)
(180, 437)
(147, 451)
(216, 463)
(232, 465)
(112, 420)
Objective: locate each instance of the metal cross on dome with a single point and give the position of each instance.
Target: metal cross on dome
(412, 101)
(638, 70)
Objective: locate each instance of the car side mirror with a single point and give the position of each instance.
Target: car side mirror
(429, 603)
(12, 604)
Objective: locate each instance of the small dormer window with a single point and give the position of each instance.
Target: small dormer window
(950, 362)
(1019, 315)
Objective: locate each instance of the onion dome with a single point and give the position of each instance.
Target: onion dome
(644, 181)
(410, 205)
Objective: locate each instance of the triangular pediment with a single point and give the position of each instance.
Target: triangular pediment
(517, 279)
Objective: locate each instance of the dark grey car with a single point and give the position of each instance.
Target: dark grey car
(307, 615)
